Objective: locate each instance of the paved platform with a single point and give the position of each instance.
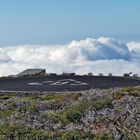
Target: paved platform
(64, 83)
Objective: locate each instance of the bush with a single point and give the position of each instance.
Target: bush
(101, 104)
(73, 113)
(131, 91)
(13, 132)
(6, 113)
(56, 97)
(77, 135)
(6, 97)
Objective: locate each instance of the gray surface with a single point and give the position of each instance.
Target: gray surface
(64, 83)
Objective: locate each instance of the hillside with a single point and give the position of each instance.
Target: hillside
(100, 114)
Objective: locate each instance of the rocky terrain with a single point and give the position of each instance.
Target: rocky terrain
(98, 114)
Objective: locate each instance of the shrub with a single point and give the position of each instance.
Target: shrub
(6, 97)
(77, 135)
(6, 113)
(101, 104)
(13, 132)
(73, 113)
(104, 137)
(131, 91)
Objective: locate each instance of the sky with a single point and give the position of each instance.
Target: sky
(81, 36)
(61, 21)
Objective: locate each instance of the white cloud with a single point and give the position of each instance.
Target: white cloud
(89, 55)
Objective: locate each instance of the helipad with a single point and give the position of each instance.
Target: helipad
(64, 83)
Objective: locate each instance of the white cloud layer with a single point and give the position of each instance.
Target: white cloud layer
(90, 55)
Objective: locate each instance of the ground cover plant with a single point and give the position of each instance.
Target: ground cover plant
(97, 114)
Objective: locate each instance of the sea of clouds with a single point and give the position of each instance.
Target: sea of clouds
(102, 55)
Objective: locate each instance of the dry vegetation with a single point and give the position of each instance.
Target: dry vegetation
(92, 115)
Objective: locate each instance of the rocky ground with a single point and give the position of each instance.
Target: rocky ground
(98, 114)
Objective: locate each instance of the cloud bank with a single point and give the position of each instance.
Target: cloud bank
(102, 55)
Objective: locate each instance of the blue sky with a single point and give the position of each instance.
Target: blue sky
(60, 21)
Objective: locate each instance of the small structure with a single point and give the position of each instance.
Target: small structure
(32, 72)
(90, 74)
(127, 74)
(52, 74)
(100, 74)
(110, 74)
(135, 75)
(68, 74)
